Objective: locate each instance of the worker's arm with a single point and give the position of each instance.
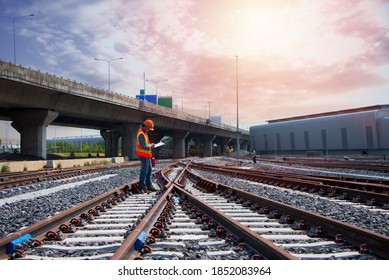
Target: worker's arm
(142, 143)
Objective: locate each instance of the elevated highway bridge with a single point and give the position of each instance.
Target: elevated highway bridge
(33, 100)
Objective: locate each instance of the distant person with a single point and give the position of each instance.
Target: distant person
(97, 155)
(143, 151)
(254, 157)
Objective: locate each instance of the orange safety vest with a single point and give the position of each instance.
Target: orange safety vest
(139, 151)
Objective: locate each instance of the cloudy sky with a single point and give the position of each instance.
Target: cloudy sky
(291, 57)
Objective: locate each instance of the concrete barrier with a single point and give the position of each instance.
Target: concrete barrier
(118, 159)
(16, 166)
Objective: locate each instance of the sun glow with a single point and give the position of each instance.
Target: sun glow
(292, 32)
(251, 30)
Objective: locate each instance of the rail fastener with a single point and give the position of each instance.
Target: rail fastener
(67, 228)
(55, 236)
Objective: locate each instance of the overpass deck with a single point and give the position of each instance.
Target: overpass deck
(31, 98)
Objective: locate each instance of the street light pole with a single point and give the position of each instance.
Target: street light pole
(14, 29)
(156, 86)
(237, 111)
(182, 98)
(109, 68)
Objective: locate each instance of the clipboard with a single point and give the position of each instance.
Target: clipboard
(159, 144)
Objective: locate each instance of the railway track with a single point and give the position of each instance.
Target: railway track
(93, 229)
(10, 179)
(190, 218)
(97, 234)
(101, 235)
(374, 193)
(377, 165)
(295, 238)
(184, 236)
(305, 235)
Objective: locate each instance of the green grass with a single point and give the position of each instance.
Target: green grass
(78, 155)
(5, 168)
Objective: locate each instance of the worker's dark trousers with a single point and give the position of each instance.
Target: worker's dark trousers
(145, 173)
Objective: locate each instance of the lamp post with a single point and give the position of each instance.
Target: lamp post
(13, 21)
(237, 111)
(109, 68)
(182, 98)
(156, 84)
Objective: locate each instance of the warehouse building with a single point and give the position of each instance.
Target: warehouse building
(363, 131)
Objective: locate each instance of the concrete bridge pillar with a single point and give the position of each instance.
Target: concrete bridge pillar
(207, 144)
(245, 145)
(111, 138)
(128, 132)
(32, 124)
(187, 140)
(179, 144)
(220, 145)
(199, 146)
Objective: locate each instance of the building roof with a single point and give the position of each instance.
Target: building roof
(340, 112)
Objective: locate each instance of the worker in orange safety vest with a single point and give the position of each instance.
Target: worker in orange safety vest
(143, 151)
